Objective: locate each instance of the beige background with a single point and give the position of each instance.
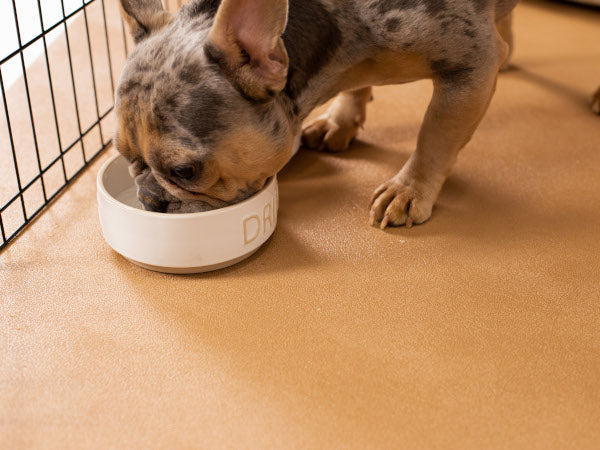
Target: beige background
(476, 330)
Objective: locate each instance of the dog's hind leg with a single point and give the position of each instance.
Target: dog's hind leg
(460, 98)
(596, 102)
(335, 130)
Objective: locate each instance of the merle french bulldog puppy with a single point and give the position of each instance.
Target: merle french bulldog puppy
(211, 99)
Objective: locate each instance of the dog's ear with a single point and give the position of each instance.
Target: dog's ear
(144, 17)
(245, 41)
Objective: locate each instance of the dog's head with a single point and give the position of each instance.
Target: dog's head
(197, 104)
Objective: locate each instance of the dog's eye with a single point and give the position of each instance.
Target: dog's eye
(185, 172)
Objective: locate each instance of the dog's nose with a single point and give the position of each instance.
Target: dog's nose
(152, 203)
(186, 171)
(151, 194)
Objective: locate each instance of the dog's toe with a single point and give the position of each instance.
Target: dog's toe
(326, 134)
(313, 134)
(397, 203)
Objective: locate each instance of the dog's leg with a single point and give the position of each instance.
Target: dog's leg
(459, 101)
(335, 129)
(505, 30)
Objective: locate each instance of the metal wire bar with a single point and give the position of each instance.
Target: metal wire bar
(110, 69)
(44, 32)
(35, 141)
(52, 93)
(87, 35)
(62, 4)
(125, 46)
(49, 166)
(2, 230)
(10, 229)
(36, 212)
(12, 144)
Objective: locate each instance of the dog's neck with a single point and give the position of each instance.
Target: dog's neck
(319, 53)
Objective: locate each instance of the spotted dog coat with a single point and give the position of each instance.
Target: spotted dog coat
(211, 99)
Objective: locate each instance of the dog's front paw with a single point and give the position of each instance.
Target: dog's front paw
(401, 201)
(327, 133)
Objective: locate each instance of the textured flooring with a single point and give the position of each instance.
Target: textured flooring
(476, 330)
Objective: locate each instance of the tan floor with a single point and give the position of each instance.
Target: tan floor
(478, 330)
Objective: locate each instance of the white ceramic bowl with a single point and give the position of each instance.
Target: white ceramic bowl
(181, 243)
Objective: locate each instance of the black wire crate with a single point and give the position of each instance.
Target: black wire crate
(59, 64)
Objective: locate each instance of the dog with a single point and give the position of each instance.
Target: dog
(211, 99)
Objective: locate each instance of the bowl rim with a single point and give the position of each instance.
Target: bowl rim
(180, 216)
